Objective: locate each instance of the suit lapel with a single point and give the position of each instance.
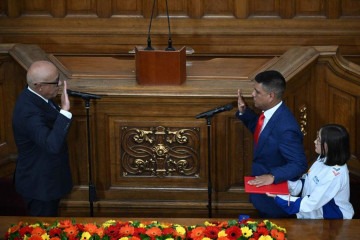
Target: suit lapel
(267, 130)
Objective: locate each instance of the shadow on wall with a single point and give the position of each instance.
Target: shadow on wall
(11, 203)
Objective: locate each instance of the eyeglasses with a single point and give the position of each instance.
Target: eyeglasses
(57, 81)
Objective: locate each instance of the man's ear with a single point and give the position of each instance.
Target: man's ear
(272, 96)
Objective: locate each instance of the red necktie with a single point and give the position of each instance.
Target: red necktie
(259, 124)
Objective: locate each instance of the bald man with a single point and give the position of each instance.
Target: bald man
(42, 175)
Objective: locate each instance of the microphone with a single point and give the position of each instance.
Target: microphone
(149, 47)
(211, 112)
(170, 47)
(82, 94)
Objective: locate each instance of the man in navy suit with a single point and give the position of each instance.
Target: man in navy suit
(278, 153)
(42, 175)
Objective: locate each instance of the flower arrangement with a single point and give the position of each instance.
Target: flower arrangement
(153, 230)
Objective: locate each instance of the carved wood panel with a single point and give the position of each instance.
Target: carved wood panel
(181, 8)
(145, 152)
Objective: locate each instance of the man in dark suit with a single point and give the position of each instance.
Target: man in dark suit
(42, 175)
(278, 151)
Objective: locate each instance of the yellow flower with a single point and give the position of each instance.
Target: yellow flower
(247, 232)
(180, 230)
(34, 225)
(108, 223)
(124, 238)
(45, 236)
(209, 224)
(206, 238)
(222, 233)
(250, 222)
(85, 236)
(267, 237)
(169, 239)
(281, 229)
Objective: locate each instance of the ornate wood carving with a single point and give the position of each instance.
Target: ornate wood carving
(160, 151)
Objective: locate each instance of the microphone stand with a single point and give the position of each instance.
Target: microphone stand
(92, 189)
(208, 123)
(170, 47)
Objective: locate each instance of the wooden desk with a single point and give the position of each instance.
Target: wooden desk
(296, 229)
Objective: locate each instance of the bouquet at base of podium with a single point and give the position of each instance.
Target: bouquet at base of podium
(151, 230)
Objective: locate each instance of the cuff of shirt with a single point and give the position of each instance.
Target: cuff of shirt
(66, 113)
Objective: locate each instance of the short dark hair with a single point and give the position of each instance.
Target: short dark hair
(338, 144)
(272, 81)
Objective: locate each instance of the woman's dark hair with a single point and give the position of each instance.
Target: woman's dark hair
(338, 144)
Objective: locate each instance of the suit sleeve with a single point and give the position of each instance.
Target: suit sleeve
(49, 136)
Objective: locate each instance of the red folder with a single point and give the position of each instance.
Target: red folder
(280, 188)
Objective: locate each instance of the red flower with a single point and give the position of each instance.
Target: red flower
(25, 231)
(65, 224)
(262, 231)
(197, 233)
(139, 231)
(153, 232)
(55, 238)
(71, 231)
(113, 232)
(277, 234)
(168, 231)
(35, 237)
(126, 231)
(211, 232)
(233, 232)
(91, 228)
(55, 232)
(38, 231)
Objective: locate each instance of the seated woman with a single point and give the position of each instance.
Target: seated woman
(324, 191)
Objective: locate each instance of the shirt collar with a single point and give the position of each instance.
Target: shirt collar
(268, 113)
(46, 100)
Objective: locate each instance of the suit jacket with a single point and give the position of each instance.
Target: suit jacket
(279, 152)
(40, 131)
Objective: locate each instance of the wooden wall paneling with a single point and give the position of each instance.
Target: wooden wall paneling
(265, 8)
(81, 8)
(58, 8)
(287, 9)
(129, 8)
(107, 8)
(299, 99)
(196, 9)
(3, 7)
(310, 8)
(241, 9)
(342, 105)
(223, 9)
(11, 84)
(342, 109)
(350, 8)
(13, 8)
(36, 8)
(333, 9)
(176, 8)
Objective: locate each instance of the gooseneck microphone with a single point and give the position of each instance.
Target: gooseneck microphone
(170, 47)
(212, 112)
(82, 94)
(149, 47)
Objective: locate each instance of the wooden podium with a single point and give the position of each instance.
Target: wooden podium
(160, 67)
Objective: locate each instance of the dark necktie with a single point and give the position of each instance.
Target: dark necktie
(52, 104)
(258, 127)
